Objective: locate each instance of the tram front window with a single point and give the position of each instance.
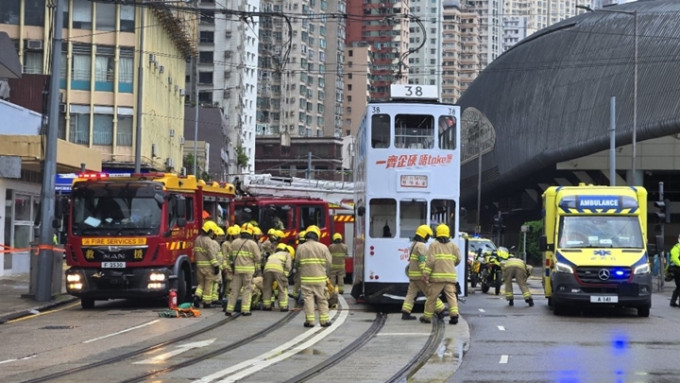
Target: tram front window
(414, 131)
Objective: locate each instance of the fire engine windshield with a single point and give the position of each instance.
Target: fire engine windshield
(600, 231)
(116, 209)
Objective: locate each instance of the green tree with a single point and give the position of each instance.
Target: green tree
(241, 157)
(534, 255)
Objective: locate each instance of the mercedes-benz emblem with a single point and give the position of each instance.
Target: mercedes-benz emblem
(603, 274)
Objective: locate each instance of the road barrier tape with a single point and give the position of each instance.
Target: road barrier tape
(35, 249)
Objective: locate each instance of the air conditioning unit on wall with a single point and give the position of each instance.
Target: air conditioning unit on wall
(170, 162)
(34, 45)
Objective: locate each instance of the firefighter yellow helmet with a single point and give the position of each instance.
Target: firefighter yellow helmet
(291, 250)
(280, 233)
(423, 231)
(313, 229)
(219, 231)
(271, 231)
(257, 231)
(234, 230)
(282, 246)
(302, 234)
(209, 227)
(247, 228)
(443, 231)
(337, 237)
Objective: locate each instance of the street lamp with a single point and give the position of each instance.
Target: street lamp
(634, 13)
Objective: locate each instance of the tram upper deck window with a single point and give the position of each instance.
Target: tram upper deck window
(380, 130)
(447, 132)
(414, 131)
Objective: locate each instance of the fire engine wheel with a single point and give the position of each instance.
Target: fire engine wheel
(182, 289)
(86, 303)
(485, 287)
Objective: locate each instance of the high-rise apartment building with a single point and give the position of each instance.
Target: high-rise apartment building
(538, 14)
(293, 52)
(334, 56)
(358, 56)
(425, 43)
(460, 50)
(385, 25)
(227, 73)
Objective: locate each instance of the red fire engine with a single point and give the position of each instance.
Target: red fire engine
(132, 235)
(289, 214)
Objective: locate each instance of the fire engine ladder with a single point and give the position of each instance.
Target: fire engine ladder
(336, 192)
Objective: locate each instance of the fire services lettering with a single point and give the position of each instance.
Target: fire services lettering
(122, 241)
(404, 161)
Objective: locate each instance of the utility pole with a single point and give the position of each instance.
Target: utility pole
(46, 250)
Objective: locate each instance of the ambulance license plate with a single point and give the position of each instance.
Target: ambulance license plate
(113, 265)
(604, 299)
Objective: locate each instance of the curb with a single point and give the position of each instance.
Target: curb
(59, 300)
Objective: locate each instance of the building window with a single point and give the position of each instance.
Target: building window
(127, 18)
(102, 130)
(207, 37)
(81, 69)
(106, 17)
(9, 12)
(103, 69)
(79, 127)
(124, 127)
(82, 14)
(34, 12)
(125, 70)
(33, 62)
(205, 77)
(205, 57)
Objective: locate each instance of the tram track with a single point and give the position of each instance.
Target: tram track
(131, 354)
(419, 359)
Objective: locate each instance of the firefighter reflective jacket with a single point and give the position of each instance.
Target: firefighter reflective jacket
(279, 262)
(338, 252)
(246, 255)
(416, 261)
(205, 251)
(442, 259)
(314, 260)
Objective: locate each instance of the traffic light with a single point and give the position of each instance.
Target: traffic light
(664, 210)
(498, 226)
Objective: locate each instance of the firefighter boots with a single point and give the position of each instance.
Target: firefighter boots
(453, 319)
(425, 320)
(307, 324)
(326, 324)
(407, 316)
(511, 302)
(674, 299)
(530, 301)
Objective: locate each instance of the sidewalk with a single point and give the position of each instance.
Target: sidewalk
(15, 301)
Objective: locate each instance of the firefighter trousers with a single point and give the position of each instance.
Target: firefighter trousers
(241, 285)
(433, 291)
(520, 275)
(315, 293)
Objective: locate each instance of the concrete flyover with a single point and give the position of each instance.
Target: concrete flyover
(540, 113)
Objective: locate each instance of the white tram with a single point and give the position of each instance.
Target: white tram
(406, 173)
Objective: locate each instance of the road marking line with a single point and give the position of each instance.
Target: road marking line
(504, 359)
(178, 350)
(17, 359)
(278, 354)
(121, 332)
(36, 313)
(482, 310)
(501, 328)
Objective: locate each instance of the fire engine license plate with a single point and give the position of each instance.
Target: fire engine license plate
(604, 299)
(113, 265)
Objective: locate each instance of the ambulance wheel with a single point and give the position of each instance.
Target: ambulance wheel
(86, 303)
(643, 311)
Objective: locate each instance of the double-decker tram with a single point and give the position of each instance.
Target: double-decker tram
(407, 174)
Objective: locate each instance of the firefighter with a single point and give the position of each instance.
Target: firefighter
(296, 269)
(515, 268)
(269, 245)
(339, 252)
(217, 281)
(674, 267)
(315, 261)
(416, 264)
(277, 270)
(245, 255)
(227, 263)
(440, 273)
(205, 251)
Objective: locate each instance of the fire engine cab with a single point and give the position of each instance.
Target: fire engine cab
(132, 235)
